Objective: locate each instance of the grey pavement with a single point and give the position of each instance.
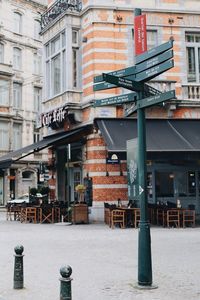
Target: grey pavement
(104, 261)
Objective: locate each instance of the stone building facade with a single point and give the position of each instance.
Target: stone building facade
(20, 92)
(82, 40)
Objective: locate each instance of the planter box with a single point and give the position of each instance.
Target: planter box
(80, 214)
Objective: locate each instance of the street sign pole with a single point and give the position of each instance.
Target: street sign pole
(144, 239)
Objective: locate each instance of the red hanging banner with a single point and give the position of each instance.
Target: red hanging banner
(140, 34)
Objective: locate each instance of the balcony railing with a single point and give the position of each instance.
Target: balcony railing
(191, 92)
(59, 7)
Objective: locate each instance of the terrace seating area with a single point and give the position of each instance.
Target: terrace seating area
(160, 215)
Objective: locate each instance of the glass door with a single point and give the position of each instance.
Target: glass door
(76, 178)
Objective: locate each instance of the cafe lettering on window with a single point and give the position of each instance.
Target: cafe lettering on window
(54, 118)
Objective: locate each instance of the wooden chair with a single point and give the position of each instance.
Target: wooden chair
(118, 218)
(136, 217)
(46, 214)
(107, 216)
(173, 218)
(161, 217)
(188, 217)
(28, 214)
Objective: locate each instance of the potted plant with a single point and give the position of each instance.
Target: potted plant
(80, 189)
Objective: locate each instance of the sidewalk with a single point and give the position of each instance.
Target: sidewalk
(103, 260)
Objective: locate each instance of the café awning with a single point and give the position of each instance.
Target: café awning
(162, 135)
(52, 140)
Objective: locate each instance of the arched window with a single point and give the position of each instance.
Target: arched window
(17, 58)
(17, 22)
(27, 175)
(1, 53)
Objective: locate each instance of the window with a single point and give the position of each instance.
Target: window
(164, 184)
(17, 136)
(17, 22)
(37, 29)
(193, 56)
(151, 39)
(36, 135)
(4, 136)
(17, 58)
(17, 96)
(1, 53)
(56, 74)
(57, 56)
(27, 175)
(37, 64)
(37, 99)
(74, 57)
(4, 92)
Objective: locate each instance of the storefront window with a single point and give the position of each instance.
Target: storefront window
(191, 184)
(164, 184)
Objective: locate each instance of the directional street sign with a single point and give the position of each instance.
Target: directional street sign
(103, 86)
(147, 102)
(139, 68)
(152, 62)
(154, 51)
(130, 110)
(116, 99)
(122, 72)
(123, 82)
(153, 72)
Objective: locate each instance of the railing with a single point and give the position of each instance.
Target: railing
(59, 7)
(191, 92)
(162, 86)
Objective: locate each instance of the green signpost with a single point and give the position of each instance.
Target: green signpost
(116, 99)
(149, 64)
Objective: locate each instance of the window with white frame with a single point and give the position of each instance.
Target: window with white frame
(4, 92)
(17, 95)
(4, 136)
(37, 99)
(1, 53)
(37, 64)
(17, 136)
(56, 63)
(36, 135)
(17, 58)
(152, 39)
(75, 49)
(192, 41)
(17, 22)
(37, 29)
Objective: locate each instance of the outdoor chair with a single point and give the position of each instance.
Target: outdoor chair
(28, 214)
(118, 218)
(173, 218)
(136, 217)
(46, 214)
(188, 217)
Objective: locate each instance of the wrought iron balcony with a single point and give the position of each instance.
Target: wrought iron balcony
(59, 7)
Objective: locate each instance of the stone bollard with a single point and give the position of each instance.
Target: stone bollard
(65, 283)
(18, 268)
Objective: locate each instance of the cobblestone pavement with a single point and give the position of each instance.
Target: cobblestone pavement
(104, 261)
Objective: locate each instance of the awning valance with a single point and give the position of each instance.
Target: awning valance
(162, 135)
(52, 140)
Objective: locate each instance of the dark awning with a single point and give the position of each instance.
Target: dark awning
(161, 134)
(52, 140)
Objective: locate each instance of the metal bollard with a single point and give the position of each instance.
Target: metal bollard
(18, 268)
(65, 283)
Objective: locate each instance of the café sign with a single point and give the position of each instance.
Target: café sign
(56, 116)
